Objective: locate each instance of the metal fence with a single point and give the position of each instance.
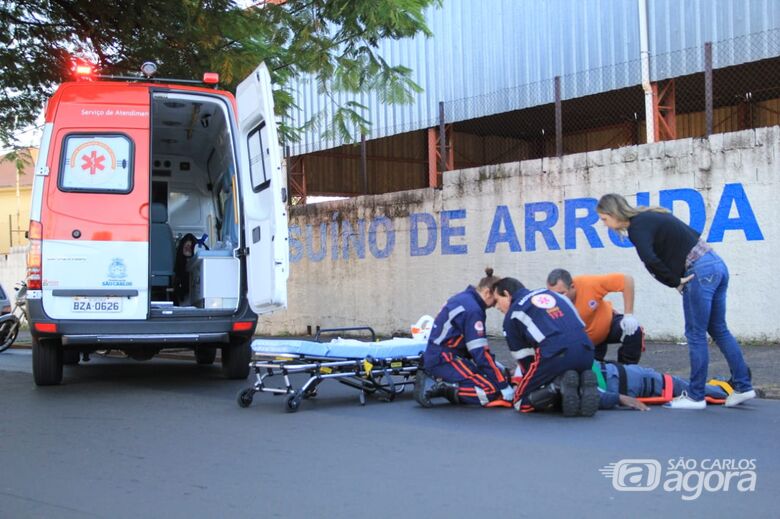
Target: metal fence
(725, 86)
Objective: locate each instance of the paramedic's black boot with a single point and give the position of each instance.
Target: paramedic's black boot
(448, 390)
(570, 392)
(545, 398)
(589, 393)
(422, 383)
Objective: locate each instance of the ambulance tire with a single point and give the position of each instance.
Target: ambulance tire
(71, 357)
(47, 362)
(236, 357)
(205, 355)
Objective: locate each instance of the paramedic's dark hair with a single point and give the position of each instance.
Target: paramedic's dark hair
(507, 286)
(489, 280)
(559, 275)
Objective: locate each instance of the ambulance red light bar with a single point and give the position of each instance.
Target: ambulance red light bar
(83, 70)
(211, 78)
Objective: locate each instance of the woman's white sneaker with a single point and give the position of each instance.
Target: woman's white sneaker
(737, 398)
(685, 402)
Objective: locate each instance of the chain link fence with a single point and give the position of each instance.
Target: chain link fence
(725, 86)
(719, 87)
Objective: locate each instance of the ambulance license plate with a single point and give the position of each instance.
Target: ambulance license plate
(96, 304)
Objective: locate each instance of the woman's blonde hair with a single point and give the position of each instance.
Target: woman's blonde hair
(617, 207)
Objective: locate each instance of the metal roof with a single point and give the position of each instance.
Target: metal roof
(493, 56)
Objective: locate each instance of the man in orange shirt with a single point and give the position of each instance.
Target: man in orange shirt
(602, 324)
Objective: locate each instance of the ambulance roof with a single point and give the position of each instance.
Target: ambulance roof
(107, 92)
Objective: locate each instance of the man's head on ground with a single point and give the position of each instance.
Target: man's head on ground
(560, 281)
(485, 287)
(503, 290)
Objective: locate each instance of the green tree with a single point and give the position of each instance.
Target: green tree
(335, 41)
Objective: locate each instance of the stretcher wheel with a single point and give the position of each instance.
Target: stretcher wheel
(244, 397)
(292, 403)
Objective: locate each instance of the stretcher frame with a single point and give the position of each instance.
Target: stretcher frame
(382, 376)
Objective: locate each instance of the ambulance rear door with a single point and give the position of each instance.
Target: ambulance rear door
(94, 215)
(263, 194)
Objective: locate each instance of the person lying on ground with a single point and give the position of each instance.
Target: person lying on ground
(625, 384)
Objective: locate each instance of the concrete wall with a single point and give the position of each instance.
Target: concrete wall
(14, 217)
(13, 268)
(385, 260)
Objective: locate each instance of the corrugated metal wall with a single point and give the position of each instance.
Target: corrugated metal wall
(486, 47)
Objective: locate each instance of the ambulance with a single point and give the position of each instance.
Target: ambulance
(130, 168)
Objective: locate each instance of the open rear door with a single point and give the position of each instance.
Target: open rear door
(263, 194)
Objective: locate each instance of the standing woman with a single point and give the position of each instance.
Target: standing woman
(675, 255)
(458, 364)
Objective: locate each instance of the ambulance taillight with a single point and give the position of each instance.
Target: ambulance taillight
(35, 235)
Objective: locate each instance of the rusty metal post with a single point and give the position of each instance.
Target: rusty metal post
(708, 87)
(364, 163)
(558, 119)
(442, 139)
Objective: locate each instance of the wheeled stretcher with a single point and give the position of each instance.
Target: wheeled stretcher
(380, 368)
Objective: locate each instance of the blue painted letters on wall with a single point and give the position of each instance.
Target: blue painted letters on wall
(502, 219)
(448, 232)
(389, 237)
(585, 222)
(733, 213)
(734, 194)
(419, 221)
(543, 226)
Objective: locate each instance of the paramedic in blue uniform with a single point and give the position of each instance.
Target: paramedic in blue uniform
(547, 339)
(458, 364)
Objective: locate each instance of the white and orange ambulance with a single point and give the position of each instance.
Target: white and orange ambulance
(127, 167)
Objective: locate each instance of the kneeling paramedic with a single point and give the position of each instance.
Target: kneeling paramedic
(634, 385)
(554, 354)
(458, 364)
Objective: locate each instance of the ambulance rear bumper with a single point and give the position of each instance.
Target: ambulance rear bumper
(161, 331)
(153, 338)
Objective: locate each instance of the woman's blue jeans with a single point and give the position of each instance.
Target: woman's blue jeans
(704, 304)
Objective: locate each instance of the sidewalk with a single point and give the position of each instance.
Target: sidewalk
(764, 360)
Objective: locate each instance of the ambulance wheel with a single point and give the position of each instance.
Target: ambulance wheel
(236, 357)
(71, 357)
(47, 361)
(292, 403)
(205, 355)
(245, 396)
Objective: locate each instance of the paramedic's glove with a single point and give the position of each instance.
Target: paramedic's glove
(629, 325)
(508, 393)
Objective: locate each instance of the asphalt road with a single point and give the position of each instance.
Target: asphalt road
(165, 438)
